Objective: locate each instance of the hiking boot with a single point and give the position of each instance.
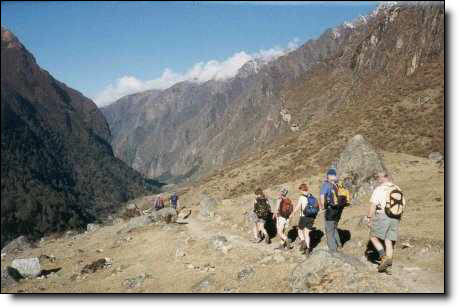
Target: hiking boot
(288, 244)
(302, 246)
(267, 240)
(384, 263)
(307, 252)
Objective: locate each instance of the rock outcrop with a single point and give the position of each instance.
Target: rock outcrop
(360, 162)
(27, 268)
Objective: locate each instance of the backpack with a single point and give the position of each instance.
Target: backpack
(286, 208)
(343, 195)
(262, 208)
(339, 197)
(159, 203)
(396, 202)
(311, 210)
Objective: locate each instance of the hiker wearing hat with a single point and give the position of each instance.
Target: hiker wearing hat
(282, 214)
(308, 208)
(261, 213)
(328, 197)
(386, 207)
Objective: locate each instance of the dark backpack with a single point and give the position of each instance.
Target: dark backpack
(395, 206)
(286, 208)
(311, 210)
(262, 208)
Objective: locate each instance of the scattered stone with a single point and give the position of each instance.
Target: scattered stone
(219, 243)
(136, 282)
(436, 157)
(406, 245)
(70, 234)
(204, 285)
(180, 253)
(7, 280)
(92, 227)
(99, 264)
(208, 207)
(245, 273)
(19, 244)
(360, 162)
(184, 213)
(46, 258)
(27, 268)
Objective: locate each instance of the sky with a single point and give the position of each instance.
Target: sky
(110, 49)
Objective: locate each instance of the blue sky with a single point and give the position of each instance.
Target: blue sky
(108, 49)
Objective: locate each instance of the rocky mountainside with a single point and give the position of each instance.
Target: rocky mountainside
(381, 76)
(57, 168)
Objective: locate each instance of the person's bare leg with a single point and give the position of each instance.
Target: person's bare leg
(307, 237)
(376, 242)
(281, 231)
(256, 231)
(389, 248)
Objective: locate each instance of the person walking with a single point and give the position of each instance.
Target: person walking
(386, 207)
(281, 215)
(333, 213)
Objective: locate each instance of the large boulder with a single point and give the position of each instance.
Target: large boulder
(165, 215)
(208, 206)
(360, 162)
(27, 268)
(138, 222)
(330, 272)
(17, 245)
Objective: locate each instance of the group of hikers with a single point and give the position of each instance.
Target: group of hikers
(386, 207)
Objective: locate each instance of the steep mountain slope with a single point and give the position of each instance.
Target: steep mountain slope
(381, 76)
(57, 166)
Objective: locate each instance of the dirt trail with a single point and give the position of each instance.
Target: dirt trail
(181, 257)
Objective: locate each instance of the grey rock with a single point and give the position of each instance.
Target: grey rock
(17, 245)
(27, 268)
(218, 242)
(99, 264)
(7, 280)
(246, 273)
(310, 274)
(204, 285)
(360, 162)
(184, 213)
(138, 222)
(136, 282)
(92, 227)
(165, 215)
(436, 156)
(208, 206)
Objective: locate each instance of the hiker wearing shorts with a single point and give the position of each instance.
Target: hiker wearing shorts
(328, 197)
(261, 212)
(308, 209)
(282, 214)
(382, 226)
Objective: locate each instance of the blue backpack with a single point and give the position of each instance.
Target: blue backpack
(311, 210)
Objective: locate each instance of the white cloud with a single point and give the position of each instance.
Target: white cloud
(199, 72)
